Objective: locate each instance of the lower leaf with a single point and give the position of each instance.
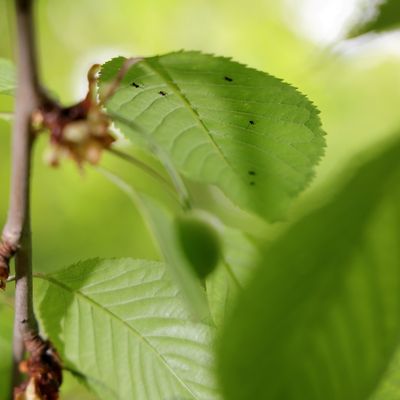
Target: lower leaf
(320, 319)
(124, 325)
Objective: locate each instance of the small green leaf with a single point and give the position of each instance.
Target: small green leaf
(7, 77)
(240, 256)
(200, 242)
(222, 123)
(162, 224)
(320, 318)
(386, 17)
(123, 324)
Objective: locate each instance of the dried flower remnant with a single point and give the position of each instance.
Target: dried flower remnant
(29, 393)
(80, 132)
(44, 372)
(7, 251)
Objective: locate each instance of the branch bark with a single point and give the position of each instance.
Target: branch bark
(16, 237)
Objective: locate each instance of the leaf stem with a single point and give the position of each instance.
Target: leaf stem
(120, 183)
(128, 189)
(143, 166)
(176, 178)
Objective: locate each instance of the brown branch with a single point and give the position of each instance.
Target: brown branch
(16, 237)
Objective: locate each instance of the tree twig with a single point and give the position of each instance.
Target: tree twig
(16, 237)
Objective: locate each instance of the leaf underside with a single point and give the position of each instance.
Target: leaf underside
(123, 324)
(222, 123)
(321, 320)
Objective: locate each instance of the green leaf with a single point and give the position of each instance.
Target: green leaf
(123, 324)
(240, 256)
(7, 77)
(386, 17)
(237, 262)
(221, 123)
(199, 241)
(161, 224)
(320, 319)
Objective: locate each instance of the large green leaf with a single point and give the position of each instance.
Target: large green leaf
(221, 123)
(386, 17)
(123, 324)
(7, 77)
(320, 319)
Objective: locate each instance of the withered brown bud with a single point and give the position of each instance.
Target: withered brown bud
(80, 132)
(29, 393)
(7, 251)
(44, 370)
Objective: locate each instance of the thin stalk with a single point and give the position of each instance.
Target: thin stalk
(144, 167)
(121, 184)
(130, 191)
(176, 178)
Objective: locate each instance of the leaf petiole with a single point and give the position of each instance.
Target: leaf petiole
(143, 166)
(176, 178)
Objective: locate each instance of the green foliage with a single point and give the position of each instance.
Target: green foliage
(237, 255)
(221, 123)
(387, 17)
(7, 77)
(200, 242)
(240, 255)
(161, 223)
(123, 324)
(320, 319)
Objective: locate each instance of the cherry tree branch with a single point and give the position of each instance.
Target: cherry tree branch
(16, 237)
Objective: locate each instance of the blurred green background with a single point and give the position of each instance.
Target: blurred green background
(77, 215)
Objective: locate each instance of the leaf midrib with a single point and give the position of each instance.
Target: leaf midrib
(129, 327)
